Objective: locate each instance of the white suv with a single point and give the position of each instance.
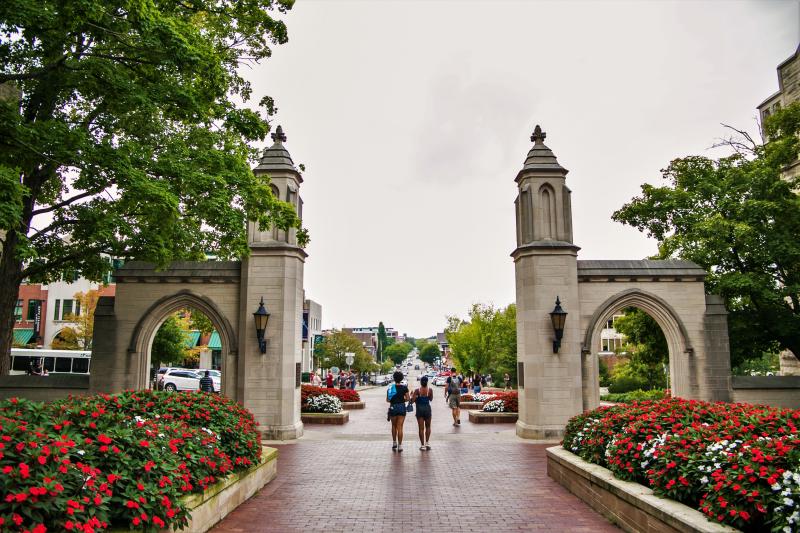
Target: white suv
(175, 379)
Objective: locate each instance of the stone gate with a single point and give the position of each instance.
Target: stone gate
(556, 385)
(228, 293)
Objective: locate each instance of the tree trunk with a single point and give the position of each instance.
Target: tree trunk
(10, 279)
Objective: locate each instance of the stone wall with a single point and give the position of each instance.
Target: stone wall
(44, 388)
(777, 391)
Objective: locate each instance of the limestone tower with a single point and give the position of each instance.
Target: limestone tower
(270, 382)
(545, 261)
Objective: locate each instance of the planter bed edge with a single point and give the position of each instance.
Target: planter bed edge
(325, 418)
(484, 417)
(631, 506)
(353, 405)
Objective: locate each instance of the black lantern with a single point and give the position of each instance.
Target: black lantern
(261, 317)
(558, 317)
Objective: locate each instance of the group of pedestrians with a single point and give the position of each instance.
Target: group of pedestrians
(401, 402)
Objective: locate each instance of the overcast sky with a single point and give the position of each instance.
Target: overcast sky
(413, 118)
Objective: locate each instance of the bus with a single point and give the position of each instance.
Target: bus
(54, 361)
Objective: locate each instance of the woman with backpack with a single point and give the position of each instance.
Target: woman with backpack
(397, 396)
(422, 397)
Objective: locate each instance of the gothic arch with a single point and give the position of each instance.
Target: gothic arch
(147, 326)
(547, 212)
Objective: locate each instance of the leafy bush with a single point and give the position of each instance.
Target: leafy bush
(125, 460)
(627, 383)
(324, 403)
(737, 463)
(637, 395)
(345, 395)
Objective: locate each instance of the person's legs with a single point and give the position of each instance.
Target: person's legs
(428, 432)
(400, 421)
(458, 415)
(421, 426)
(394, 432)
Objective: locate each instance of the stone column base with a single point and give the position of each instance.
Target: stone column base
(537, 432)
(291, 432)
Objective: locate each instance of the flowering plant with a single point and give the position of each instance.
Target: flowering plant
(345, 395)
(494, 406)
(467, 398)
(508, 400)
(125, 460)
(737, 463)
(482, 396)
(324, 403)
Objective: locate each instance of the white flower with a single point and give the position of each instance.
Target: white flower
(788, 501)
(704, 480)
(776, 487)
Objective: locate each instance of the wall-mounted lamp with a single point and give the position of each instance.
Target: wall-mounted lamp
(558, 317)
(261, 317)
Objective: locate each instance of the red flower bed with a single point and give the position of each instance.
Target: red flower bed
(467, 398)
(510, 400)
(739, 464)
(86, 464)
(345, 395)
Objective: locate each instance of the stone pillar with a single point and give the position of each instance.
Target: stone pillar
(546, 268)
(269, 383)
(716, 385)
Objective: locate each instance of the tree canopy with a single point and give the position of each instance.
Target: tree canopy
(429, 352)
(646, 346)
(80, 336)
(124, 130)
(169, 344)
(398, 352)
(738, 217)
(332, 352)
(487, 342)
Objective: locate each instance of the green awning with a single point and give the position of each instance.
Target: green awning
(214, 343)
(192, 338)
(23, 336)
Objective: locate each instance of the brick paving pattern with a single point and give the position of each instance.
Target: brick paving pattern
(475, 478)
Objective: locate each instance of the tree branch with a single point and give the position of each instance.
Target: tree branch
(62, 204)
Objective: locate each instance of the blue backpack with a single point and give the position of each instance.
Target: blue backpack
(391, 391)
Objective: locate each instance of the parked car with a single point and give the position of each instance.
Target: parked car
(177, 379)
(381, 379)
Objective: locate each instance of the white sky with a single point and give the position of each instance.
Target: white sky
(413, 118)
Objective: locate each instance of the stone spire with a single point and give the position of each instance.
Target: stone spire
(540, 157)
(276, 157)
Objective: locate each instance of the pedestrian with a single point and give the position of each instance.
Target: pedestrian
(476, 384)
(507, 381)
(206, 383)
(464, 381)
(316, 381)
(353, 380)
(397, 396)
(422, 397)
(485, 380)
(453, 395)
(329, 380)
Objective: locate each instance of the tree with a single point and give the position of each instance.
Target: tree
(429, 352)
(169, 344)
(398, 352)
(332, 352)
(79, 337)
(200, 322)
(382, 340)
(647, 347)
(124, 131)
(738, 217)
(487, 343)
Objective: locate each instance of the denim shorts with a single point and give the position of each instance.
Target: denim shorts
(397, 409)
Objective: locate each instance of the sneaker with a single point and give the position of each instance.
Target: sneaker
(394, 447)
(458, 422)
(422, 447)
(399, 447)
(427, 446)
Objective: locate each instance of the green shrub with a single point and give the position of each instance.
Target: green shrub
(627, 383)
(634, 396)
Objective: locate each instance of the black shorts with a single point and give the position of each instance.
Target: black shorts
(424, 412)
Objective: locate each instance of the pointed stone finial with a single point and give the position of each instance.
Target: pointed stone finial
(538, 135)
(279, 136)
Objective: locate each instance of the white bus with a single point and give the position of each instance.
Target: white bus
(54, 361)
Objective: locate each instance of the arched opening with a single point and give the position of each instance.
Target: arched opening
(642, 315)
(547, 210)
(176, 313)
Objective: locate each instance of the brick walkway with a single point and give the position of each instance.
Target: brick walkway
(476, 478)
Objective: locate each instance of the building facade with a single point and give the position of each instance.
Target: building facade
(788, 93)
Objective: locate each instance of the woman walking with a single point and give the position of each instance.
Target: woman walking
(422, 397)
(476, 384)
(397, 396)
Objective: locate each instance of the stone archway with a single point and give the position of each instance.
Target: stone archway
(670, 322)
(145, 331)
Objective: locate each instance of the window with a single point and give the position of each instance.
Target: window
(56, 309)
(63, 364)
(77, 307)
(21, 363)
(80, 366)
(18, 311)
(66, 309)
(49, 363)
(33, 305)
